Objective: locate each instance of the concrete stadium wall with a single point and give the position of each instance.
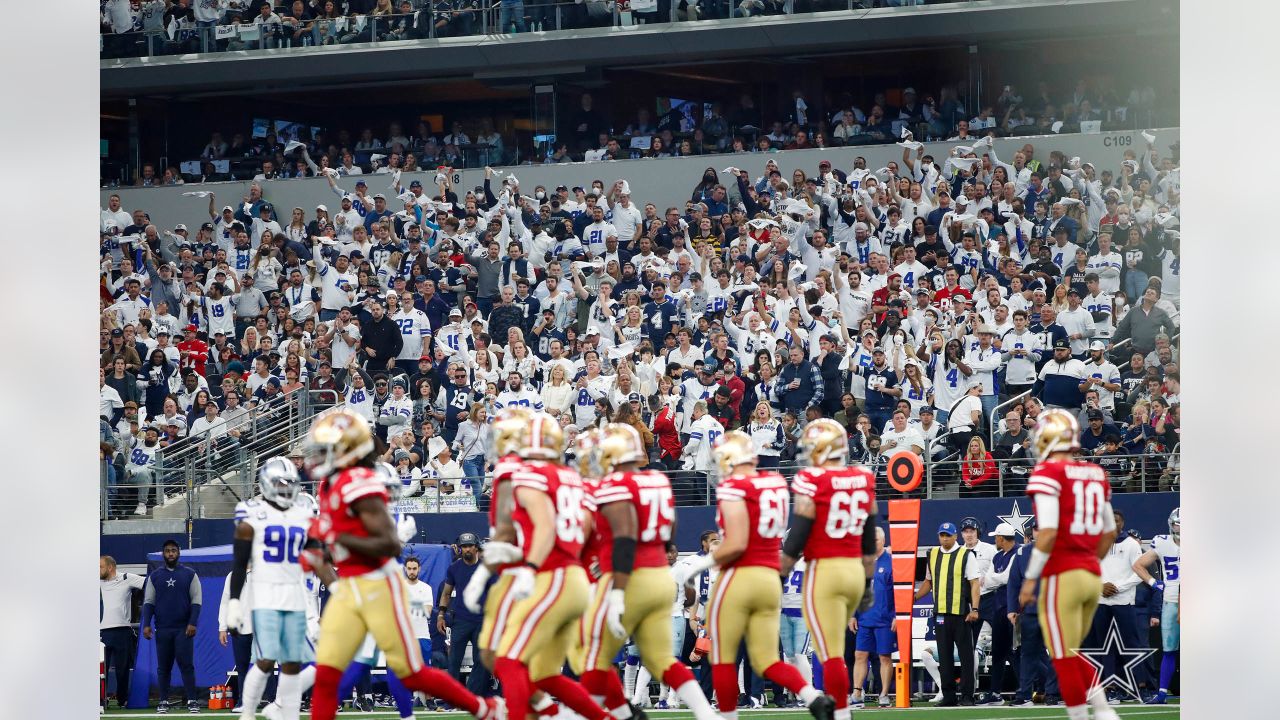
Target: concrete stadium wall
(664, 182)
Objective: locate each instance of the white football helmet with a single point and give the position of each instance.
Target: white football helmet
(1175, 525)
(279, 482)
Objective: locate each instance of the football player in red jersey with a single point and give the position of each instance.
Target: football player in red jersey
(1077, 527)
(635, 518)
(369, 596)
(833, 524)
(510, 429)
(549, 588)
(746, 599)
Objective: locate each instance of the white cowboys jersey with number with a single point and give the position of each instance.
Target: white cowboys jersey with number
(1170, 560)
(278, 537)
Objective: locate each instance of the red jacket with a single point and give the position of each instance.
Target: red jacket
(664, 427)
(976, 472)
(197, 354)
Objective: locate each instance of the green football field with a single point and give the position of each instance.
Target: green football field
(919, 712)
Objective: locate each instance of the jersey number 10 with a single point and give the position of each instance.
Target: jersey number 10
(1088, 516)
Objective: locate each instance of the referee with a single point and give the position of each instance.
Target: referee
(953, 570)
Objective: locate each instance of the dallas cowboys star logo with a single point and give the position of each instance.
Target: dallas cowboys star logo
(1017, 520)
(170, 582)
(1122, 676)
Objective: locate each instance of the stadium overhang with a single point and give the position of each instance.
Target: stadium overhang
(530, 55)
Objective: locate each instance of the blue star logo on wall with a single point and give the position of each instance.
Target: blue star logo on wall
(1017, 520)
(1126, 660)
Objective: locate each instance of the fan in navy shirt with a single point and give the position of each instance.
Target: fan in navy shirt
(172, 599)
(659, 314)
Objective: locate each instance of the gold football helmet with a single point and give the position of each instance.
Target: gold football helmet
(734, 448)
(545, 439)
(620, 444)
(338, 439)
(1056, 431)
(823, 442)
(510, 430)
(586, 451)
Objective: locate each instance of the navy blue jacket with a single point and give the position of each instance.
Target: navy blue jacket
(172, 598)
(1000, 600)
(1017, 574)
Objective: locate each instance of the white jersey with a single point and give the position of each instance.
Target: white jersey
(1170, 558)
(525, 397)
(983, 552)
(420, 605)
(415, 330)
(792, 588)
(278, 537)
(1106, 372)
(220, 316)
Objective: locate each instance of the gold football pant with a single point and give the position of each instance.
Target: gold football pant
(1066, 606)
(833, 588)
(541, 628)
(745, 601)
(647, 618)
(497, 607)
(376, 603)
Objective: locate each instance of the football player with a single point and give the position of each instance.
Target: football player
(357, 674)
(369, 596)
(271, 533)
(1168, 549)
(746, 600)
(549, 589)
(1073, 511)
(311, 585)
(636, 509)
(833, 524)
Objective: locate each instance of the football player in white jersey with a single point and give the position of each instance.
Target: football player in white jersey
(311, 585)
(271, 532)
(1168, 549)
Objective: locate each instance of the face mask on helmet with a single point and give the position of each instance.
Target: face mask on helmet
(1175, 525)
(279, 483)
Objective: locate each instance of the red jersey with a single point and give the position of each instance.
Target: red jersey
(502, 470)
(336, 496)
(655, 505)
(564, 486)
(597, 550)
(843, 497)
(767, 502)
(1082, 491)
(945, 298)
(197, 354)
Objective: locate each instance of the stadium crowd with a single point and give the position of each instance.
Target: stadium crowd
(905, 302)
(590, 132)
(142, 27)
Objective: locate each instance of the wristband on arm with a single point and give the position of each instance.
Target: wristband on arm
(624, 554)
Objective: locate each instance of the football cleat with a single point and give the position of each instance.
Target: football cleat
(823, 708)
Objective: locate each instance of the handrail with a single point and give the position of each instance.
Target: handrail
(991, 440)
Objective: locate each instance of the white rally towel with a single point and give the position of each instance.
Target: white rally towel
(197, 193)
(292, 145)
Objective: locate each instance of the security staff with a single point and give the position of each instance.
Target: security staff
(952, 571)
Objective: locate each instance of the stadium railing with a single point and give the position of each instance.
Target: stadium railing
(189, 488)
(479, 21)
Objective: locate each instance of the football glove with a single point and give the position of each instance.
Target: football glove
(522, 581)
(475, 589)
(615, 606)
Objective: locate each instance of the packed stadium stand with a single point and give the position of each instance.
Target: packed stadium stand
(931, 222)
